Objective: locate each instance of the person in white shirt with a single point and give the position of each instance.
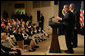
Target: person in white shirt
(28, 41)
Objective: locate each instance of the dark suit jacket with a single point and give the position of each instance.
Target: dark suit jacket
(77, 16)
(68, 21)
(19, 37)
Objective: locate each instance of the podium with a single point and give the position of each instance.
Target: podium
(55, 48)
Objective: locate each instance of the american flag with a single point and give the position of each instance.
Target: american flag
(82, 14)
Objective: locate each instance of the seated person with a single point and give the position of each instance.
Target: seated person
(35, 34)
(7, 50)
(42, 33)
(17, 26)
(23, 23)
(27, 31)
(18, 35)
(23, 27)
(30, 37)
(9, 26)
(10, 51)
(27, 25)
(13, 30)
(8, 42)
(7, 29)
(3, 27)
(28, 41)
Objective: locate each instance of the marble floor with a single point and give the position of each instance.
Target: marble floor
(45, 46)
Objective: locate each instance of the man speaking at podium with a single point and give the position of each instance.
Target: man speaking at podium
(68, 23)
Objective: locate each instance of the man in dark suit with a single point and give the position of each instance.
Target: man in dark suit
(19, 36)
(77, 25)
(68, 23)
(41, 21)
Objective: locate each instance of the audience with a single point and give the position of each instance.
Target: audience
(25, 31)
